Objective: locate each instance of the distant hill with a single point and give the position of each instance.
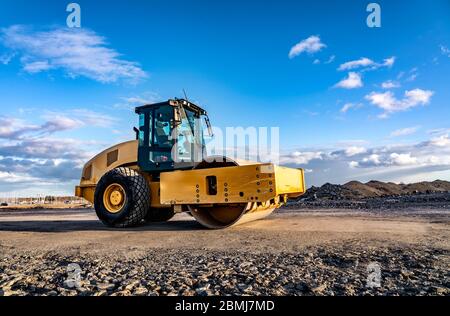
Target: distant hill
(355, 190)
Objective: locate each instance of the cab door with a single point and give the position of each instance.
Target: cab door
(155, 139)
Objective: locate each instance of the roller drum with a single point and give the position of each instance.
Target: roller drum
(224, 216)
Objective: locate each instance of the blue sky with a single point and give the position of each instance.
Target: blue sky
(352, 102)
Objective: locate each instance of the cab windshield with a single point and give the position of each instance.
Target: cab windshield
(189, 135)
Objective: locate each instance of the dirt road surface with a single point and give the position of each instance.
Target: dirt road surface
(307, 252)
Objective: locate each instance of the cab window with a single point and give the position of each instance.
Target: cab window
(163, 131)
(141, 129)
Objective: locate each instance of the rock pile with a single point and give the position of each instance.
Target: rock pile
(376, 194)
(356, 190)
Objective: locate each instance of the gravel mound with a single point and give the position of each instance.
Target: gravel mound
(376, 194)
(427, 201)
(355, 190)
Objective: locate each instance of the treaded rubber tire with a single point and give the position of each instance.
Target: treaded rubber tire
(157, 215)
(137, 201)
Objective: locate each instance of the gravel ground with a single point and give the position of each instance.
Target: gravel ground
(318, 253)
(315, 271)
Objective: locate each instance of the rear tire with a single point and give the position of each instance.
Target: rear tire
(157, 215)
(128, 203)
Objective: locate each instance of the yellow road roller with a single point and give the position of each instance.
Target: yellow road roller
(166, 170)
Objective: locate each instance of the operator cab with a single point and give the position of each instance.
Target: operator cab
(170, 135)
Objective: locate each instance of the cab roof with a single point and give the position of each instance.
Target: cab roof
(173, 102)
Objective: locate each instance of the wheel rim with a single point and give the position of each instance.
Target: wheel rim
(114, 198)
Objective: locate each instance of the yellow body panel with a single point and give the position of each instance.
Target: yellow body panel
(126, 155)
(86, 192)
(94, 169)
(240, 184)
(290, 181)
(155, 195)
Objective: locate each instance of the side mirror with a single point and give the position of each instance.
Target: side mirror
(137, 132)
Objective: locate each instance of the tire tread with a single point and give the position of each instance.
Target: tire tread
(140, 199)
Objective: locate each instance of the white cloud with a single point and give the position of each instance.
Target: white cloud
(351, 82)
(404, 131)
(12, 128)
(310, 45)
(326, 62)
(445, 51)
(412, 77)
(439, 131)
(413, 74)
(389, 84)
(348, 106)
(372, 159)
(388, 62)
(351, 142)
(301, 157)
(78, 52)
(385, 163)
(418, 96)
(366, 63)
(36, 66)
(61, 123)
(10, 177)
(354, 150)
(79, 117)
(5, 59)
(390, 104)
(362, 62)
(402, 159)
(130, 103)
(331, 59)
(32, 157)
(441, 141)
(92, 118)
(45, 148)
(137, 100)
(384, 100)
